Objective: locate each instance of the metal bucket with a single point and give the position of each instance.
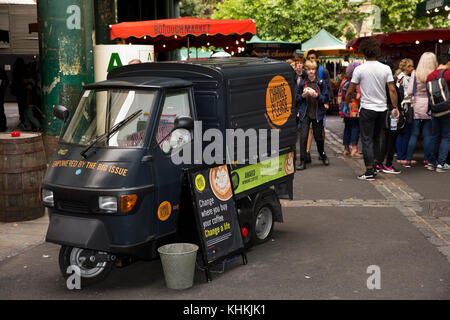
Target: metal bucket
(178, 261)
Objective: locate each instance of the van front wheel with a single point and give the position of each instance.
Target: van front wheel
(94, 266)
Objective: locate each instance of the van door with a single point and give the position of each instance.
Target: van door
(165, 170)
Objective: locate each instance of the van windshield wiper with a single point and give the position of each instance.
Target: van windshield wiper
(109, 133)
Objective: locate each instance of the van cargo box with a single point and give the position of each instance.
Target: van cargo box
(233, 93)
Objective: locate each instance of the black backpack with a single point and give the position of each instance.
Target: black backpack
(438, 94)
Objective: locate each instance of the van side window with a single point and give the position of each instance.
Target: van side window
(175, 104)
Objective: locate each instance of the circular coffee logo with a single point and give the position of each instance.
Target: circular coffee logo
(164, 210)
(220, 183)
(278, 100)
(200, 182)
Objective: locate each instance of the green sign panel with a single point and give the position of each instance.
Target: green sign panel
(257, 174)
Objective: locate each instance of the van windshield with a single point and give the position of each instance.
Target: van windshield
(100, 110)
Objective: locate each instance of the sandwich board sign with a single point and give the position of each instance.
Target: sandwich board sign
(215, 214)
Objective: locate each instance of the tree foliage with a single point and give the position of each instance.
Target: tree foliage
(293, 20)
(399, 15)
(197, 8)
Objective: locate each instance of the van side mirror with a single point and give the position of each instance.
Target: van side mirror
(61, 113)
(183, 122)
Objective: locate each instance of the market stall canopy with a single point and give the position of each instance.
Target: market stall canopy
(413, 36)
(323, 40)
(272, 49)
(170, 34)
(432, 8)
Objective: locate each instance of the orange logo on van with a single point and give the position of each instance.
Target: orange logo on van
(220, 183)
(278, 101)
(164, 210)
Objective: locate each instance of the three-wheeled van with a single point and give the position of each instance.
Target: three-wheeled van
(113, 186)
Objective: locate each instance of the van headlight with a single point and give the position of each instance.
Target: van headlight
(47, 198)
(107, 204)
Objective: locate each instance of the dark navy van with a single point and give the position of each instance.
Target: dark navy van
(113, 188)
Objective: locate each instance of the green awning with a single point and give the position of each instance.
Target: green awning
(323, 40)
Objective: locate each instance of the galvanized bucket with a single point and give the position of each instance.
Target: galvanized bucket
(178, 261)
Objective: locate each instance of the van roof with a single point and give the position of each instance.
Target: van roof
(212, 68)
(141, 82)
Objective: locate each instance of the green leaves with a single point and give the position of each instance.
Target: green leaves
(295, 21)
(399, 15)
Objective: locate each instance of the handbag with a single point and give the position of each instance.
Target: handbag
(406, 107)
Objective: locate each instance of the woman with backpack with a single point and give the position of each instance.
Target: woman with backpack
(350, 114)
(422, 121)
(438, 88)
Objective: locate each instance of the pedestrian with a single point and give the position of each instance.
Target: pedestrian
(297, 64)
(440, 122)
(422, 120)
(322, 73)
(351, 115)
(403, 77)
(4, 81)
(32, 100)
(390, 132)
(312, 96)
(372, 76)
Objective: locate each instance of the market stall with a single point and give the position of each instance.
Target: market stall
(409, 44)
(170, 34)
(334, 56)
(281, 50)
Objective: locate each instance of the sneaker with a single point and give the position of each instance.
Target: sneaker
(324, 159)
(368, 175)
(443, 168)
(365, 176)
(378, 168)
(407, 164)
(391, 169)
(431, 166)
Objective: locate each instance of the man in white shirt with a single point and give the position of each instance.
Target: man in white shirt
(372, 77)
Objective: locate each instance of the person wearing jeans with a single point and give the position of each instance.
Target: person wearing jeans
(440, 122)
(372, 77)
(441, 127)
(418, 91)
(371, 123)
(425, 125)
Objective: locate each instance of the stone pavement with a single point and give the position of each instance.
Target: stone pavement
(430, 213)
(335, 228)
(17, 237)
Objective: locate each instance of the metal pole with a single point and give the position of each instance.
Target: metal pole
(189, 48)
(66, 56)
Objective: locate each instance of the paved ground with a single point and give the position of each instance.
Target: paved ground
(335, 229)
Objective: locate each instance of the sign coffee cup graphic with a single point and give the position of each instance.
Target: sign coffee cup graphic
(220, 183)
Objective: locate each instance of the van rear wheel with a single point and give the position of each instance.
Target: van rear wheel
(94, 265)
(262, 223)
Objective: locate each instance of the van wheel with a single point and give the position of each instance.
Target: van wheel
(94, 265)
(262, 223)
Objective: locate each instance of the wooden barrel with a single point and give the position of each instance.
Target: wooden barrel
(22, 169)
